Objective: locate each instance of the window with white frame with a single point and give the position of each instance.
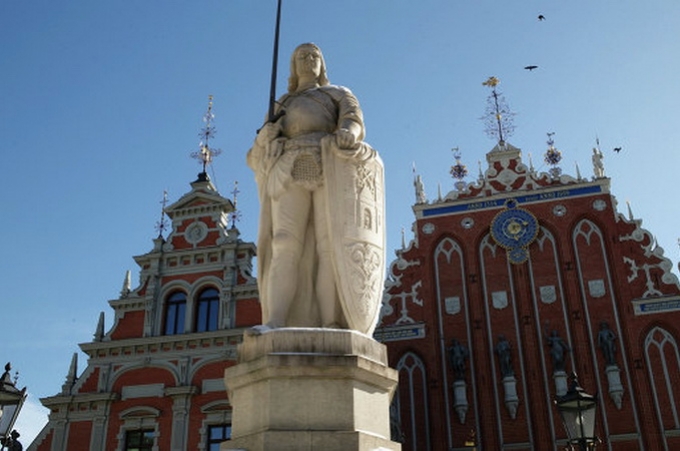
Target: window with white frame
(207, 310)
(175, 313)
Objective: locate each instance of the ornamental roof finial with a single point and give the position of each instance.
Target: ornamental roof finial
(235, 215)
(498, 116)
(553, 157)
(459, 170)
(205, 153)
(162, 224)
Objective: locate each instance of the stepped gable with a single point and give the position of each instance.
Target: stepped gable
(199, 218)
(162, 362)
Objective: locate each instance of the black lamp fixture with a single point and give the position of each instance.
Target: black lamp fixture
(11, 401)
(577, 409)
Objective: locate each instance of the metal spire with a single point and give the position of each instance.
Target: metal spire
(235, 215)
(205, 153)
(498, 116)
(162, 224)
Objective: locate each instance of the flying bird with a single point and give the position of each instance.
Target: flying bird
(541, 17)
(530, 68)
(617, 149)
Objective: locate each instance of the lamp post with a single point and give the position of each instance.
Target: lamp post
(577, 409)
(11, 401)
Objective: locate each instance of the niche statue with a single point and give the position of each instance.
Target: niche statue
(321, 241)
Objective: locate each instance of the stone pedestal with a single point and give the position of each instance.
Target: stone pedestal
(301, 389)
(615, 386)
(460, 403)
(560, 378)
(511, 398)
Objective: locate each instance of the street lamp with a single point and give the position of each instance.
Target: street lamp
(11, 401)
(577, 409)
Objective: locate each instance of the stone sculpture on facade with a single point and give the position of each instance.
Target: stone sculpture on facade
(504, 356)
(458, 354)
(598, 164)
(605, 340)
(504, 352)
(558, 350)
(321, 237)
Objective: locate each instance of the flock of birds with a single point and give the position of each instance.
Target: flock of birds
(531, 67)
(541, 18)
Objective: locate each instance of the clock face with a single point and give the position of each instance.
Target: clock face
(196, 232)
(514, 229)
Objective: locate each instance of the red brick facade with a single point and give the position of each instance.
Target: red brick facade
(138, 376)
(587, 265)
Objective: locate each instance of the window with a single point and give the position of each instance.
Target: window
(216, 435)
(139, 440)
(207, 310)
(175, 311)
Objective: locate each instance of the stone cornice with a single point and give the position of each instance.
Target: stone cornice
(165, 346)
(86, 398)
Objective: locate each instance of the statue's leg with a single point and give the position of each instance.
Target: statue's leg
(325, 288)
(290, 213)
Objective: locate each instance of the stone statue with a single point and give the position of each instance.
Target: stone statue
(605, 339)
(598, 165)
(321, 235)
(421, 198)
(504, 356)
(558, 350)
(458, 354)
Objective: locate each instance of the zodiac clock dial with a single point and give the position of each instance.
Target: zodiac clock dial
(514, 229)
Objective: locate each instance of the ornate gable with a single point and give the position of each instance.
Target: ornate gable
(199, 218)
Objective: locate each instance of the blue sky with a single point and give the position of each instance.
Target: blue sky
(101, 105)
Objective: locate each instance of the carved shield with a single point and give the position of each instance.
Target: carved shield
(356, 207)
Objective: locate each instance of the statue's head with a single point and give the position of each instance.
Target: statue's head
(294, 76)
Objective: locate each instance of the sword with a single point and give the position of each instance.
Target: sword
(273, 117)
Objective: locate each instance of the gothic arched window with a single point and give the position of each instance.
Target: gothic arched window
(663, 363)
(414, 419)
(207, 310)
(175, 312)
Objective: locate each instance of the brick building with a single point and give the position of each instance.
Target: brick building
(511, 283)
(154, 381)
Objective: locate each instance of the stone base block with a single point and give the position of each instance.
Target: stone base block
(310, 389)
(310, 441)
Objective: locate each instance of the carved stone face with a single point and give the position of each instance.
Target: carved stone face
(308, 62)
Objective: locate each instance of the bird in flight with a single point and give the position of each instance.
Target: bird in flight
(541, 17)
(617, 149)
(530, 68)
